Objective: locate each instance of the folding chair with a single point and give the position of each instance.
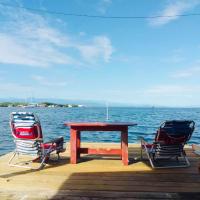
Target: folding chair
(167, 151)
(28, 138)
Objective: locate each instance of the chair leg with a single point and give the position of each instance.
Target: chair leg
(187, 161)
(9, 162)
(148, 155)
(141, 152)
(151, 162)
(154, 165)
(21, 166)
(58, 156)
(45, 154)
(42, 164)
(44, 157)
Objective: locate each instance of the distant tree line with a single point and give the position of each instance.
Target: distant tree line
(43, 104)
(13, 104)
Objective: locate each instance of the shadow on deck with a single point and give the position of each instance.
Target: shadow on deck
(129, 185)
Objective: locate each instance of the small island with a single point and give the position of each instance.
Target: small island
(42, 104)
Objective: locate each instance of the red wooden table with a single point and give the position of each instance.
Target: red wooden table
(75, 139)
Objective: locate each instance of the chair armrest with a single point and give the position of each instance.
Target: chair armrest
(55, 144)
(56, 140)
(142, 140)
(146, 145)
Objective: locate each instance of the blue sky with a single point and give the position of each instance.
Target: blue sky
(134, 61)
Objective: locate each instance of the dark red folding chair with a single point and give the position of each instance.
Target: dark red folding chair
(167, 151)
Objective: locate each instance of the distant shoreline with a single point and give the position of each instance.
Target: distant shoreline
(41, 105)
(57, 105)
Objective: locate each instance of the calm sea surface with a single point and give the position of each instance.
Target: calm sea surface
(52, 119)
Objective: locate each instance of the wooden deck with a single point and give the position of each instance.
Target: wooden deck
(100, 178)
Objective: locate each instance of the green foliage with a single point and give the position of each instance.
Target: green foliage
(74, 105)
(12, 104)
(43, 104)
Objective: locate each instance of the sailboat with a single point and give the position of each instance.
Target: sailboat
(31, 104)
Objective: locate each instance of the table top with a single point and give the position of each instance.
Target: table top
(100, 124)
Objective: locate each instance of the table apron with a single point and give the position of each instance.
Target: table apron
(100, 151)
(99, 128)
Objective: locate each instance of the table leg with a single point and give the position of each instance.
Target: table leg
(124, 146)
(73, 146)
(78, 143)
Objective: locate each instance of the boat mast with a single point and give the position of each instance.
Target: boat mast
(107, 112)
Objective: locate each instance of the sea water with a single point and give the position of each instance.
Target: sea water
(52, 121)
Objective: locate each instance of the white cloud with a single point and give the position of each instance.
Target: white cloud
(165, 90)
(28, 38)
(28, 52)
(173, 90)
(193, 71)
(176, 56)
(177, 95)
(46, 82)
(172, 10)
(104, 5)
(14, 89)
(99, 48)
(82, 33)
(157, 95)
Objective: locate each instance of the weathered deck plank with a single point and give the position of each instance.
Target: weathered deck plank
(100, 178)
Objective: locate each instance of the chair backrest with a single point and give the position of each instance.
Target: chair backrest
(175, 132)
(26, 126)
(30, 147)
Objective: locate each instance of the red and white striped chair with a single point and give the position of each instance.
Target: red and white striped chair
(28, 138)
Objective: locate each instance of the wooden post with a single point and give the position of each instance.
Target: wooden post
(124, 146)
